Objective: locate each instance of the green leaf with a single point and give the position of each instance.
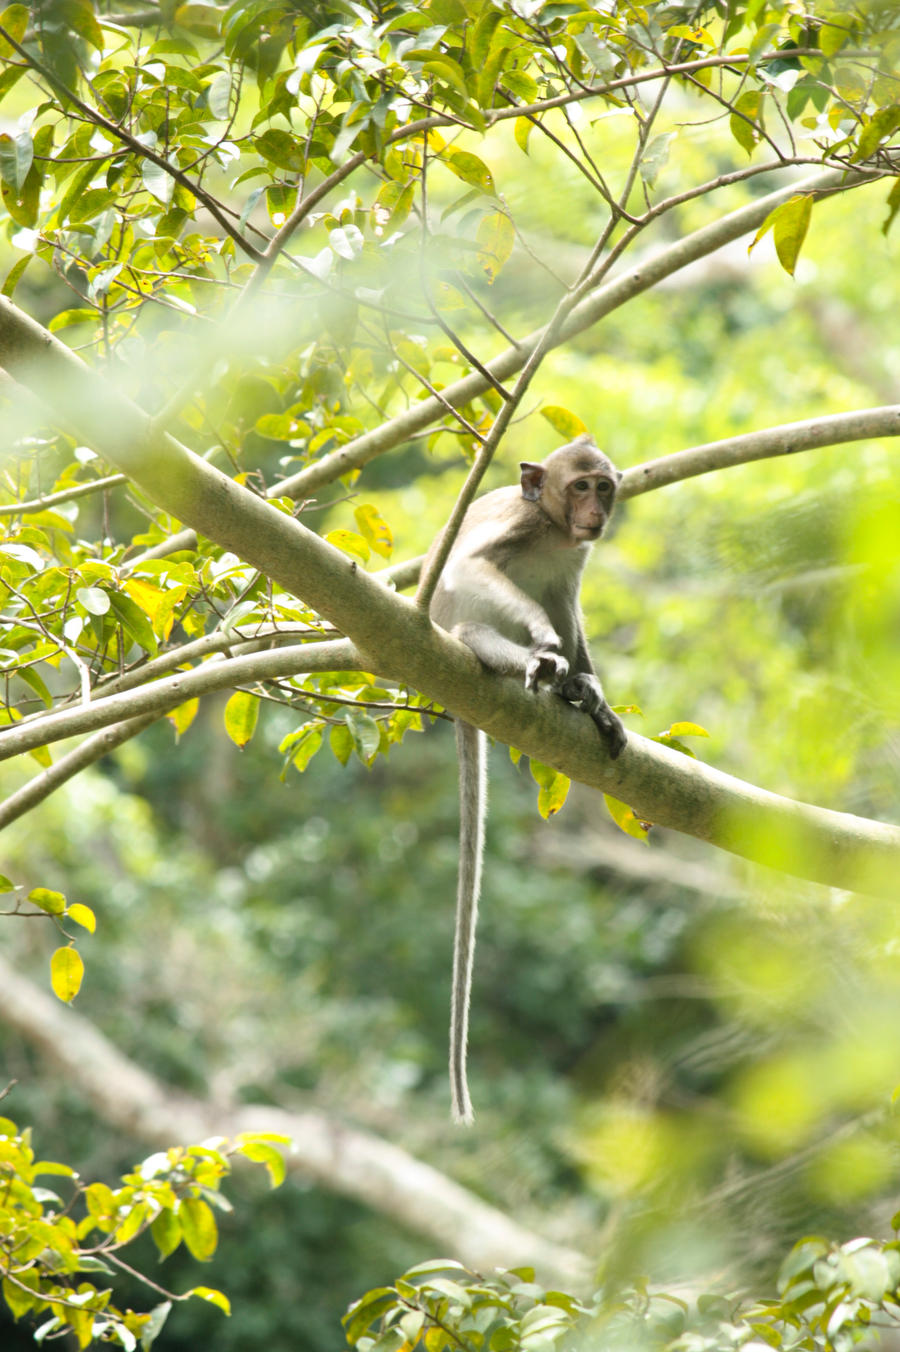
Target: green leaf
(134, 621)
(6, 885)
(893, 202)
(654, 158)
(14, 276)
(15, 20)
(281, 149)
(158, 182)
(33, 679)
(567, 424)
(554, 788)
(789, 224)
(522, 130)
(496, 237)
(625, 819)
(166, 1232)
(54, 903)
(366, 735)
(302, 745)
(469, 168)
(447, 72)
(218, 94)
(241, 714)
(198, 1228)
(340, 739)
(750, 103)
(94, 599)
(16, 157)
(153, 1327)
(66, 973)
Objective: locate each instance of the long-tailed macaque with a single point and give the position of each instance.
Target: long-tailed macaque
(509, 590)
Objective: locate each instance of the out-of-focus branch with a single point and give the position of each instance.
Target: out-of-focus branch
(334, 1155)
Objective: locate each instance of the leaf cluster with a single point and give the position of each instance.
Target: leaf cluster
(59, 1257)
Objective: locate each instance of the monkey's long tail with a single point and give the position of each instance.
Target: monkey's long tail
(471, 747)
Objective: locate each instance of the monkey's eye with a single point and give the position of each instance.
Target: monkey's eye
(604, 486)
(581, 485)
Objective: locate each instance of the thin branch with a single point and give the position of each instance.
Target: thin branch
(159, 697)
(64, 495)
(611, 296)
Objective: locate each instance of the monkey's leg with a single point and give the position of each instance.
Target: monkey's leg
(581, 688)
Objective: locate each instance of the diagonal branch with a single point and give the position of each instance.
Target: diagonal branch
(338, 1157)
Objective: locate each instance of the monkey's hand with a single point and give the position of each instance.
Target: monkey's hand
(586, 690)
(545, 667)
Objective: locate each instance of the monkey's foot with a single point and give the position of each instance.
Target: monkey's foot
(586, 691)
(545, 667)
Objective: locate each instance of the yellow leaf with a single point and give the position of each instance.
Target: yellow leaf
(66, 973)
(496, 237)
(625, 819)
(567, 424)
(214, 1297)
(374, 529)
(82, 915)
(182, 717)
(198, 1226)
(241, 714)
(349, 543)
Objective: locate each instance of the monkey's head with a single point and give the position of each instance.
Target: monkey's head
(576, 486)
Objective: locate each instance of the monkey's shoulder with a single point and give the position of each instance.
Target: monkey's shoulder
(503, 520)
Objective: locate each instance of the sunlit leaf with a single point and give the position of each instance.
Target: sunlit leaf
(54, 903)
(66, 973)
(82, 915)
(240, 716)
(198, 1228)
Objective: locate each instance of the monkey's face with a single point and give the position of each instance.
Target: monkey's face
(589, 502)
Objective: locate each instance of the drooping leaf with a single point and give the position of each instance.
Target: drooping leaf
(198, 1228)
(789, 224)
(625, 818)
(374, 529)
(82, 915)
(240, 716)
(496, 237)
(66, 973)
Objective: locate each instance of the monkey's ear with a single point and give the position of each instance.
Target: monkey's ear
(619, 475)
(532, 480)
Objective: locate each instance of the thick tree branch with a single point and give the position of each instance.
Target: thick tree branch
(393, 637)
(335, 1156)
